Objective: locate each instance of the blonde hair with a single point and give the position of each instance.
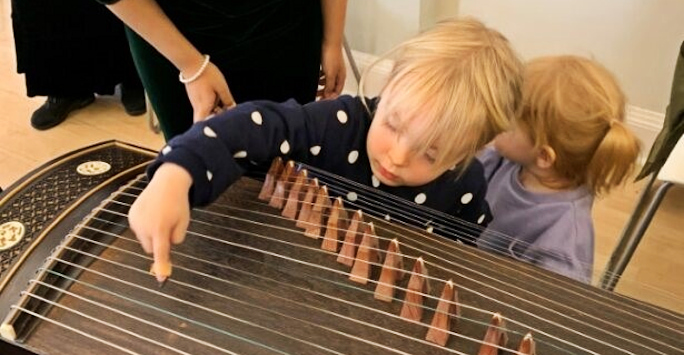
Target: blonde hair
(575, 106)
(462, 76)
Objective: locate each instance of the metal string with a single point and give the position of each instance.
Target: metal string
(461, 275)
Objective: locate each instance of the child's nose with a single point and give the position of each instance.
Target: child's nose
(399, 154)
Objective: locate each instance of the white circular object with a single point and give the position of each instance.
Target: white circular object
(91, 168)
(10, 234)
(466, 198)
(353, 156)
(342, 116)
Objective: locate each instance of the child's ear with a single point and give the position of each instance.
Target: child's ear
(546, 157)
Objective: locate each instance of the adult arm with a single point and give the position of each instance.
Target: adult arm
(332, 60)
(147, 19)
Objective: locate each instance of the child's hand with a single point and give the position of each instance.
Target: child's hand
(160, 215)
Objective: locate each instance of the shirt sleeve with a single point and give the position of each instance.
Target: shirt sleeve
(491, 161)
(566, 248)
(217, 151)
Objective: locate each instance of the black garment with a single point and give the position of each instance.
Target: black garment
(266, 49)
(673, 127)
(330, 135)
(70, 48)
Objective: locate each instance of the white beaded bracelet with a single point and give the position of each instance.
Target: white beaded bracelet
(197, 75)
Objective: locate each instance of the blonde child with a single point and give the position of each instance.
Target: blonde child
(452, 89)
(568, 145)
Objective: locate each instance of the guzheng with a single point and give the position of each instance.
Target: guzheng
(279, 265)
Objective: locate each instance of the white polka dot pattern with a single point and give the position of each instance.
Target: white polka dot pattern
(375, 181)
(466, 198)
(481, 219)
(353, 156)
(420, 198)
(430, 229)
(387, 217)
(342, 116)
(209, 132)
(256, 118)
(209, 175)
(285, 147)
(352, 196)
(315, 150)
(240, 154)
(166, 150)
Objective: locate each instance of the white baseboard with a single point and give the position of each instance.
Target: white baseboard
(644, 123)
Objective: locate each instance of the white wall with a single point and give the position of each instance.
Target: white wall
(638, 40)
(375, 26)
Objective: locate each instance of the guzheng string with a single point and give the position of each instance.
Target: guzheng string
(227, 299)
(76, 250)
(159, 293)
(76, 330)
(139, 319)
(301, 289)
(229, 217)
(367, 198)
(373, 200)
(324, 280)
(554, 282)
(388, 201)
(287, 316)
(233, 217)
(92, 318)
(234, 255)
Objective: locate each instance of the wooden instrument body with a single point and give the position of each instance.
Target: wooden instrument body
(247, 281)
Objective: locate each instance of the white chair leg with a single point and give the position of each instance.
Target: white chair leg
(352, 62)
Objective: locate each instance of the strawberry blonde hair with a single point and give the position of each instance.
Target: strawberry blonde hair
(575, 106)
(461, 76)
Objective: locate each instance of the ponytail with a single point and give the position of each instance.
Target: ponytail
(614, 159)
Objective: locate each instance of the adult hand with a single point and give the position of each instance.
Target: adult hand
(208, 93)
(333, 71)
(160, 216)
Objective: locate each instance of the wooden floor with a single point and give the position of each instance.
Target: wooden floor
(656, 273)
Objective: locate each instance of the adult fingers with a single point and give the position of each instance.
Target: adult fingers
(201, 112)
(341, 77)
(225, 98)
(330, 80)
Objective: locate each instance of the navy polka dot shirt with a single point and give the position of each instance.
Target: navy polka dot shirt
(329, 136)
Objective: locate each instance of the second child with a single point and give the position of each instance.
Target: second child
(568, 145)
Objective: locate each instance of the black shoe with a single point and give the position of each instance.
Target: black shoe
(56, 109)
(133, 100)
